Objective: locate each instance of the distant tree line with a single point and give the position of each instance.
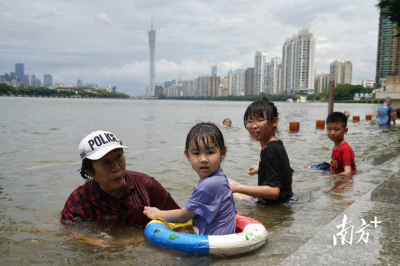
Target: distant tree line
(45, 92)
(347, 91)
(343, 92)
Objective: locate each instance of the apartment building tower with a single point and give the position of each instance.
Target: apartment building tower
(388, 54)
(341, 73)
(271, 76)
(298, 63)
(249, 81)
(260, 59)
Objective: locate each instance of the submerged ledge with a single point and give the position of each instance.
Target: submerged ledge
(382, 246)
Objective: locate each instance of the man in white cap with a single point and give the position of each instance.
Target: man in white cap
(111, 193)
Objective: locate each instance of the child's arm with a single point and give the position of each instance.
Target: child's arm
(346, 172)
(265, 192)
(172, 216)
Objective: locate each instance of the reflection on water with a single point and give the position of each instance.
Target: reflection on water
(38, 165)
(341, 189)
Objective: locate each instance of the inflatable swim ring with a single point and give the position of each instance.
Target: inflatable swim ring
(251, 234)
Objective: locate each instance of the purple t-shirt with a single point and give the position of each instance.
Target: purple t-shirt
(213, 203)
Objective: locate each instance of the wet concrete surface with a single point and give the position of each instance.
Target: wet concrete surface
(377, 244)
(307, 237)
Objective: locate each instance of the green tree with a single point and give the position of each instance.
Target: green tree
(30, 91)
(347, 91)
(391, 9)
(317, 97)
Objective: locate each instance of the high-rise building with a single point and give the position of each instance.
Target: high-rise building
(259, 63)
(341, 73)
(188, 88)
(36, 83)
(79, 83)
(298, 63)
(223, 87)
(271, 76)
(214, 86)
(321, 83)
(238, 82)
(388, 55)
(47, 81)
(27, 81)
(204, 85)
(230, 82)
(249, 81)
(335, 72)
(347, 73)
(19, 74)
(214, 71)
(7, 77)
(152, 47)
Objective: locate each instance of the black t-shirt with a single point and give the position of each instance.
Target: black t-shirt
(274, 169)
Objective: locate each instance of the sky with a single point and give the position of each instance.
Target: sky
(106, 43)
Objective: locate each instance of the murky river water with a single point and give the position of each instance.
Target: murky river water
(39, 158)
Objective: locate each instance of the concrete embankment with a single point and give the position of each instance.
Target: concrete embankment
(373, 243)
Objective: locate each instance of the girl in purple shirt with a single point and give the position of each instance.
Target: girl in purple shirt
(211, 205)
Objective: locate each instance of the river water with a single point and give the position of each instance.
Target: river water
(39, 159)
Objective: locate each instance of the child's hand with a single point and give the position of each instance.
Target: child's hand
(151, 212)
(253, 170)
(233, 184)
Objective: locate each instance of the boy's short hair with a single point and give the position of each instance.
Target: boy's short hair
(387, 99)
(336, 117)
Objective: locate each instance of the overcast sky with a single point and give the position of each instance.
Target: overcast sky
(106, 43)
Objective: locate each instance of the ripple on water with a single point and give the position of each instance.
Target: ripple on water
(319, 199)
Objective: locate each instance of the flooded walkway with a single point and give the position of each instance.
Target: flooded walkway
(380, 242)
(307, 239)
(38, 166)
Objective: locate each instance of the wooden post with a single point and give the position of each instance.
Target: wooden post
(294, 126)
(320, 124)
(331, 97)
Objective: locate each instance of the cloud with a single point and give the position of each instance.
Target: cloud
(103, 19)
(78, 39)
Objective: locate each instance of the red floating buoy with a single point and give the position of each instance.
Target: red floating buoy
(294, 126)
(368, 117)
(320, 124)
(356, 118)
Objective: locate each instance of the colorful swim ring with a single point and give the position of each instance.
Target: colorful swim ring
(251, 235)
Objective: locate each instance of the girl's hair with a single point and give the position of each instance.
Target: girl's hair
(205, 131)
(87, 169)
(261, 108)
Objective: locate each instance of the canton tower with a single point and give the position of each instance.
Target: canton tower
(152, 46)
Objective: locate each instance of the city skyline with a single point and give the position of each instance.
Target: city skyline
(108, 44)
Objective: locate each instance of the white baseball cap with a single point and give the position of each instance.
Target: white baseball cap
(97, 144)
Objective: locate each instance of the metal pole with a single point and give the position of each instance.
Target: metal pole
(331, 97)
